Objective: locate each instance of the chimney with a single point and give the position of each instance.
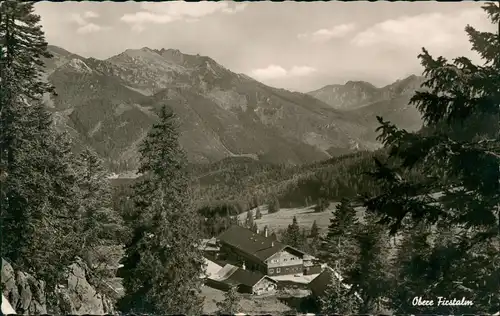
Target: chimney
(265, 231)
(243, 266)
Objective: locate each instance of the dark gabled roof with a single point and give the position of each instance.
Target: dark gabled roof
(233, 275)
(256, 245)
(245, 277)
(320, 283)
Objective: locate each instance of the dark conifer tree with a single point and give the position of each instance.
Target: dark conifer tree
(370, 276)
(98, 224)
(338, 299)
(410, 265)
(314, 230)
(249, 220)
(339, 248)
(293, 235)
(258, 214)
(162, 264)
(38, 191)
(273, 204)
(231, 303)
(458, 154)
(321, 205)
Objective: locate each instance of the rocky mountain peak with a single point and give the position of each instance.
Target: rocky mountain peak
(78, 65)
(355, 94)
(170, 51)
(173, 55)
(347, 96)
(223, 114)
(359, 84)
(404, 86)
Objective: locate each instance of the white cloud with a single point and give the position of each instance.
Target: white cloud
(85, 27)
(90, 15)
(235, 9)
(89, 28)
(270, 72)
(275, 72)
(144, 16)
(162, 13)
(436, 31)
(78, 19)
(323, 35)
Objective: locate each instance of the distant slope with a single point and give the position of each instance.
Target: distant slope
(366, 101)
(355, 94)
(111, 104)
(351, 95)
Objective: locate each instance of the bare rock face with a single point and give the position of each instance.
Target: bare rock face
(76, 296)
(23, 291)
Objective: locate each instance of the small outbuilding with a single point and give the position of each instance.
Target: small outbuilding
(320, 283)
(244, 280)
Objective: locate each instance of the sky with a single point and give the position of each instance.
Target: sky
(292, 45)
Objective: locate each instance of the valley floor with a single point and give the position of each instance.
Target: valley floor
(249, 304)
(305, 217)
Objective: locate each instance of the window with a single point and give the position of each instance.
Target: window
(278, 270)
(292, 258)
(284, 260)
(271, 271)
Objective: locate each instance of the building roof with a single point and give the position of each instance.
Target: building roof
(256, 245)
(320, 283)
(248, 278)
(237, 276)
(211, 269)
(225, 272)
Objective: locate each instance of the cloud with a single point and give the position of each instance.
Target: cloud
(162, 13)
(275, 72)
(90, 15)
(89, 28)
(323, 35)
(435, 31)
(235, 9)
(85, 27)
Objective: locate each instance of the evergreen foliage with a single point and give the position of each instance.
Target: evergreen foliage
(39, 188)
(321, 205)
(314, 230)
(98, 224)
(249, 222)
(231, 303)
(338, 299)
(338, 247)
(162, 264)
(258, 214)
(370, 275)
(293, 236)
(457, 153)
(273, 204)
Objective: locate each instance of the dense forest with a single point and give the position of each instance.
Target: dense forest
(57, 206)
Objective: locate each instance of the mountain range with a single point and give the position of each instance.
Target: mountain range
(111, 104)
